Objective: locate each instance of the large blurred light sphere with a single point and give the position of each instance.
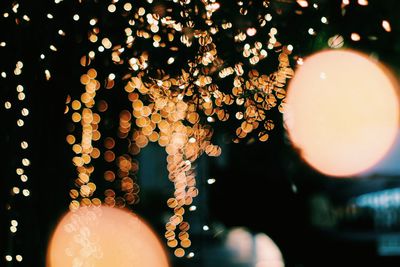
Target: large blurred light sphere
(342, 112)
(104, 237)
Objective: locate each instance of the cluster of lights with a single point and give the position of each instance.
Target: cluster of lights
(84, 150)
(19, 188)
(175, 109)
(19, 191)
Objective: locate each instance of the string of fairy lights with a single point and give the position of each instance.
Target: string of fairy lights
(169, 108)
(17, 106)
(177, 108)
(19, 192)
(168, 61)
(166, 110)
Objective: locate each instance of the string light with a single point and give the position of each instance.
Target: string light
(173, 110)
(19, 110)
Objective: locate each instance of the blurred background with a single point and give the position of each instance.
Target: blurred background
(259, 204)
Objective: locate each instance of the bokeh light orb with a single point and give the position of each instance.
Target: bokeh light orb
(342, 112)
(104, 236)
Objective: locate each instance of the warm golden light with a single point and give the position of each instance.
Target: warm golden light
(342, 112)
(104, 236)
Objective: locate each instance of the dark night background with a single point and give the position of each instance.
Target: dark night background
(261, 186)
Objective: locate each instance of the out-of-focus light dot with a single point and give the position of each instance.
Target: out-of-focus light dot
(355, 37)
(52, 47)
(128, 7)
(8, 258)
(25, 112)
(76, 17)
(3, 44)
(270, 46)
(6, 15)
(268, 17)
(171, 60)
(336, 41)
(111, 76)
(47, 74)
(206, 228)
(57, 1)
(111, 8)
(263, 53)
(19, 258)
(192, 208)
(19, 171)
(315, 5)
(42, 56)
(3, 74)
(363, 2)
(324, 20)
(290, 47)
(156, 44)
(141, 11)
(26, 18)
(101, 48)
(26, 162)
(14, 223)
(76, 105)
(24, 178)
(24, 145)
(20, 122)
(20, 88)
(210, 119)
(190, 255)
(26, 192)
(21, 96)
(302, 3)
(93, 22)
(13, 229)
(344, 148)
(93, 38)
(192, 140)
(346, 2)
(115, 244)
(7, 105)
(15, 8)
(386, 26)
(92, 54)
(61, 32)
(50, 16)
(211, 181)
(15, 190)
(311, 31)
(273, 31)
(154, 28)
(299, 61)
(251, 31)
(17, 71)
